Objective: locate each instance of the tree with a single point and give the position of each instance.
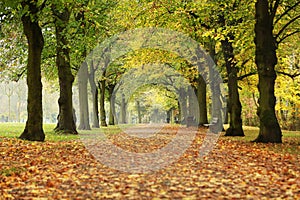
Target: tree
(234, 104)
(94, 92)
(66, 123)
(9, 92)
(32, 30)
(84, 123)
(266, 42)
(101, 86)
(83, 74)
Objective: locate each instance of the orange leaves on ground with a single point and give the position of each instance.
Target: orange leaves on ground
(66, 170)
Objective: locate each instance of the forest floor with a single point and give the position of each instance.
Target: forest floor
(234, 169)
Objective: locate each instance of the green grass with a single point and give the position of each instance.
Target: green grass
(14, 130)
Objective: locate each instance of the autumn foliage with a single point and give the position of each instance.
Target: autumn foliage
(66, 170)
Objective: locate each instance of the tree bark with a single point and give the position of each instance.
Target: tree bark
(234, 104)
(84, 123)
(216, 101)
(123, 110)
(138, 107)
(111, 118)
(102, 103)
(34, 125)
(183, 105)
(215, 87)
(66, 123)
(83, 75)
(94, 91)
(191, 102)
(113, 104)
(201, 95)
(266, 60)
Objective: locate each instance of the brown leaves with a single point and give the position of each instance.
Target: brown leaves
(66, 170)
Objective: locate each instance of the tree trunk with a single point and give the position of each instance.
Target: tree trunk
(84, 123)
(216, 101)
(266, 60)
(111, 119)
(83, 75)
(102, 103)
(113, 104)
(215, 87)
(123, 110)
(179, 119)
(234, 104)
(94, 91)
(138, 107)
(34, 125)
(169, 116)
(201, 95)
(66, 123)
(191, 102)
(183, 105)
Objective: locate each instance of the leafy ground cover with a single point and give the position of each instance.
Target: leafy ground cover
(64, 169)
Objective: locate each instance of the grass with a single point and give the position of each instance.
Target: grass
(14, 130)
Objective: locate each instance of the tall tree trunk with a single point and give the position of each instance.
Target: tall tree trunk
(201, 95)
(102, 103)
(111, 118)
(183, 105)
(123, 110)
(215, 86)
(113, 104)
(215, 81)
(138, 107)
(191, 102)
(234, 104)
(66, 123)
(34, 125)
(83, 75)
(179, 119)
(84, 123)
(169, 115)
(266, 60)
(94, 91)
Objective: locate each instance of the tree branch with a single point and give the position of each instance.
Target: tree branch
(286, 12)
(255, 101)
(288, 35)
(274, 9)
(43, 5)
(292, 76)
(246, 75)
(19, 75)
(195, 16)
(286, 25)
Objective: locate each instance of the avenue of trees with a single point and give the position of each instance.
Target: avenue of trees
(255, 46)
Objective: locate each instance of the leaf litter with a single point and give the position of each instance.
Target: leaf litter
(67, 170)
